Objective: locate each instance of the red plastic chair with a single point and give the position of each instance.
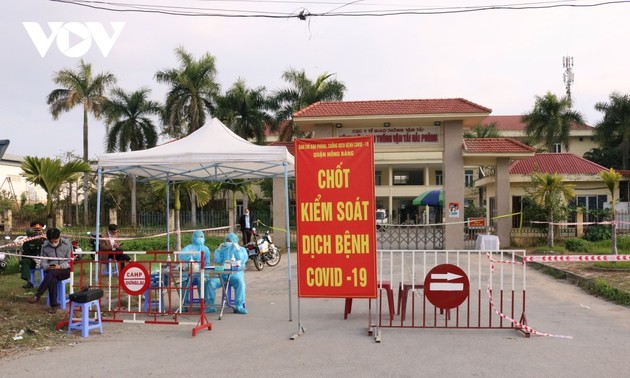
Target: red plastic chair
(385, 285)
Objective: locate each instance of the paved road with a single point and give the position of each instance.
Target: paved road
(258, 344)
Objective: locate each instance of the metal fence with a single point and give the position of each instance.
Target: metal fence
(492, 299)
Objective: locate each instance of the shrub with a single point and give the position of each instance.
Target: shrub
(576, 245)
(598, 233)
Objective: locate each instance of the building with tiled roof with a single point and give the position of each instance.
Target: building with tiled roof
(581, 137)
(580, 173)
(418, 147)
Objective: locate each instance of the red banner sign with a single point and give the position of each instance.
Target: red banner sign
(336, 217)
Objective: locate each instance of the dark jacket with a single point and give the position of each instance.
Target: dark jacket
(242, 221)
(32, 247)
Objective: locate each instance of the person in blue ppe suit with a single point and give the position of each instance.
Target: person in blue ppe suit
(210, 284)
(230, 250)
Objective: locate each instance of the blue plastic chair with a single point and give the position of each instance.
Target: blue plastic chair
(84, 324)
(37, 282)
(62, 298)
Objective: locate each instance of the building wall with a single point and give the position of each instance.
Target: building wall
(10, 170)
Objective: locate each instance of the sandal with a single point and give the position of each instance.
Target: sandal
(34, 299)
(52, 310)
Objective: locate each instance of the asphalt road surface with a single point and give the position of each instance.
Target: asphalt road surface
(259, 344)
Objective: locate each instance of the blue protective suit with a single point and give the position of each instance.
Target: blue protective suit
(210, 284)
(225, 252)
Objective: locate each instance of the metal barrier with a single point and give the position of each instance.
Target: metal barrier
(164, 300)
(495, 298)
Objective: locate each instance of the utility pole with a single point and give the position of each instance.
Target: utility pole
(567, 64)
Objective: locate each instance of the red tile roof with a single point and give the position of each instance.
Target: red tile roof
(390, 107)
(289, 145)
(513, 123)
(561, 163)
(495, 145)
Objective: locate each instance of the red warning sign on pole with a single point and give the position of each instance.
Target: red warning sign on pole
(446, 286)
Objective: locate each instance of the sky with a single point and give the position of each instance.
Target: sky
(498, 58)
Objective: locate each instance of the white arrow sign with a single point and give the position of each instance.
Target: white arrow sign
(447, 276)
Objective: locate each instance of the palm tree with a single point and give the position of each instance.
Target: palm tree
(129, 127)
(245, 111)
(550, 192)
(302, 93)
(611, 180)
(483, 131)
(80, 87)
(550, 121)
(50, 174)
(614, 129)
(192, 93)
(201, 193)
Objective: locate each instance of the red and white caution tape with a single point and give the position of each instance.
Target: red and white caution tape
(576, 258)
(514, 322)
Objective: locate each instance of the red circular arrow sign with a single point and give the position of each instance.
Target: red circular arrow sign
(446, 286)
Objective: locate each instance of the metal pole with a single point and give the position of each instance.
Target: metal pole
(98, 221)
(288, 223)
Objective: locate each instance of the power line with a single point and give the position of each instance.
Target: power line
(303, 14)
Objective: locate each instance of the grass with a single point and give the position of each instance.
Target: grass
(16, 315)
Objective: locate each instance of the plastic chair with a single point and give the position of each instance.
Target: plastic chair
(107, 266)
(158, 302)
(62, 299)
(385, 285)
(403, 293)
(84, 324)
(41, 276)
(189, 286)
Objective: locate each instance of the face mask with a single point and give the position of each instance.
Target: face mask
(54, 245)
(228, 244)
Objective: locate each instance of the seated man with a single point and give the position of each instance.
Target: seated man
(29, 249)
(210, 284)
(56, 253)
(231, 250)
(109, 243)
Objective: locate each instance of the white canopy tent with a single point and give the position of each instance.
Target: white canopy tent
(212, 153)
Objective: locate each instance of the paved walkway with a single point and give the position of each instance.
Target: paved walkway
(259, 344)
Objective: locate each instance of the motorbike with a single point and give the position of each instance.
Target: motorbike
(261, 250)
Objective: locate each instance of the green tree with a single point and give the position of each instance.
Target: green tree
(192, 93)
(605, 156)
(550, 121)
(483, 131)
(614, 129)
(130, 127)
(611, 180)
(128, 120)
(550, 191)
(201, 193)
(80, 87)
(246, 111)
(232, 186)
(301, 93)
(50, 174)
